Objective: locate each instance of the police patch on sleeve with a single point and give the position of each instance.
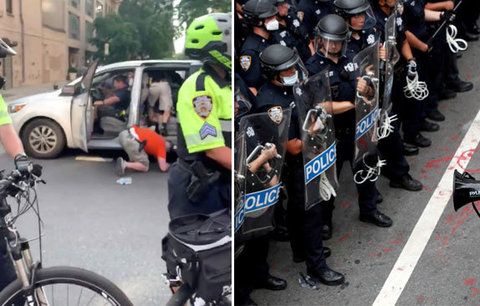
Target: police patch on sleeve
(276, 114)
(202, 106)
(207, 130)
(245, 62)
(371, 39)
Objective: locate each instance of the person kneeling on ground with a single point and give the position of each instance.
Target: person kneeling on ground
(140, 142)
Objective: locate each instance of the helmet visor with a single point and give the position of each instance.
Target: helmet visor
(330, 47)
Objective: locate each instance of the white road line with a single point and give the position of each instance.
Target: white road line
(408, 259)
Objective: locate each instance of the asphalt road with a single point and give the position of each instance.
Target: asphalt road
(94, 223)
(448, 270)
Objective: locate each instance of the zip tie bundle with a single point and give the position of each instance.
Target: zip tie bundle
(326, 189)
(455, 44)
(371, 174)
(386, 128)
(415, 89)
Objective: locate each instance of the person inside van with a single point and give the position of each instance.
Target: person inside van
(160, 101)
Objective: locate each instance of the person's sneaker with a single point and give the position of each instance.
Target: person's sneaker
(436, 115)
(407, 182)
(428, 126)
(120, 166)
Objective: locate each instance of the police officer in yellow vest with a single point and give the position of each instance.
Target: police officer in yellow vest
(199, 182)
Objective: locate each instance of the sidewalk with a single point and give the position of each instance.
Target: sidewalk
(19, 92)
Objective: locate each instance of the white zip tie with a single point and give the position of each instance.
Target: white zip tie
(455, 44)
(372, 173)
(326, 189)
(386, 127)
(415, 89)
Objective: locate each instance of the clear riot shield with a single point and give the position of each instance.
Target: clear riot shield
(266, 136)
(387, 70)
(313, 101)
(367, 114)
(239, 185)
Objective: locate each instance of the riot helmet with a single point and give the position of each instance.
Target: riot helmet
(358, 13)
(261, 13)
(282, 64)
(208, 38)
(331, 36)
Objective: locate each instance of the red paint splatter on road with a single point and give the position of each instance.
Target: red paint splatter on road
(469, 281)
(474, 292)
(420, 299)
(387, 250)
(345, 204)
(345, 237)
(436, 163)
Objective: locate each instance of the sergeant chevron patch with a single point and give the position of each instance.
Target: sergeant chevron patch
(206, 130)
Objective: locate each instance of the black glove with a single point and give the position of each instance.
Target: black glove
(448, 16)
(412, 68)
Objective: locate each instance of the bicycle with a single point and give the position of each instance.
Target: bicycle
(35, 285)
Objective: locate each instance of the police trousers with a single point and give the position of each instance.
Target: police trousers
(304, 227)
(218, 196)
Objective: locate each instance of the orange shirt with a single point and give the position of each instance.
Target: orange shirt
(155, 143)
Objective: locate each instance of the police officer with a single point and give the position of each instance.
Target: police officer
(260, 15)
(331, 36)
(311, 11)
(361, 20)
(292, 32)
(199, 182)
(14, 148)
(392, 148)
(282, 66)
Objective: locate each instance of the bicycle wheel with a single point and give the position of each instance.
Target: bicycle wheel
(65, 286)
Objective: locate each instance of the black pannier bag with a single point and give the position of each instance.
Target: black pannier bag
(197, 249)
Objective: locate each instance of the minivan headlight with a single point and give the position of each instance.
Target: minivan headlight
(15, 108)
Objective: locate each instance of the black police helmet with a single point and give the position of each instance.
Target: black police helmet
(254, 11)
(332, 27)
(276, 58)
(351, 7)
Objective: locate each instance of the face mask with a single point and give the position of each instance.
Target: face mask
(290, 80)
(130, 82)
(272, 25)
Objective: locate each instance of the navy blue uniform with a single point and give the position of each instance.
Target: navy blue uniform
(304, 227)
(313, 11)
(342, 77)
(249, 60)
(367, 38)
(391, 148)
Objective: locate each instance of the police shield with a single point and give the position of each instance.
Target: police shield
(239, 185)
(313, 101)
(393, 56)
(366, 105)
(266, 135)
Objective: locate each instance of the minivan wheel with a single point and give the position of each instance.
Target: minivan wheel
(43, 138)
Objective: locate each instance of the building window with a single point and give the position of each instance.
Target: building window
(9, 6)
(75, 3)
(89, 31)
(74, 26)
(89, 7)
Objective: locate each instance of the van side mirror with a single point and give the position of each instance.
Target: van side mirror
(68, 90)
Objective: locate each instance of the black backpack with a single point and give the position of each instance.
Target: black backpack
(198, 250)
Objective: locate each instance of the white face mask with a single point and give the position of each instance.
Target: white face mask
(290, 80)
(130, 82)
(272, 25)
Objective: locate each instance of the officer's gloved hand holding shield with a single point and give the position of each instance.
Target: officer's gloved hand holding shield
(266, 135)
(366, 161)
(387, 69)
(314, 107)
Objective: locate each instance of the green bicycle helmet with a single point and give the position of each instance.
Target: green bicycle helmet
(209, 38)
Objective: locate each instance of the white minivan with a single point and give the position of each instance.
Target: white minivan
(49, 122)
